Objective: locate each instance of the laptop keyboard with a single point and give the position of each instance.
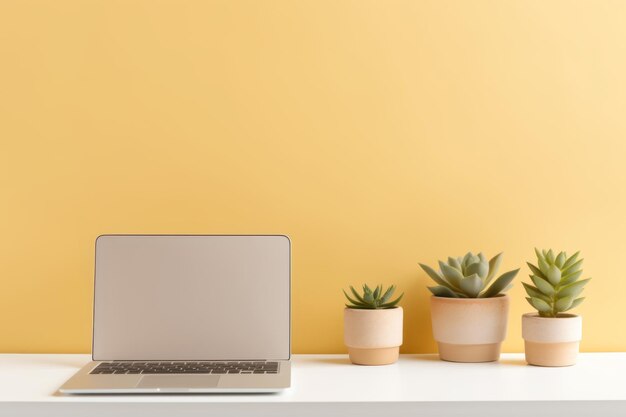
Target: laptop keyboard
(179, 367)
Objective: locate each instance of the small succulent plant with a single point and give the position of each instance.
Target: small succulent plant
(372, 300)
(469, 277)
(557, 283)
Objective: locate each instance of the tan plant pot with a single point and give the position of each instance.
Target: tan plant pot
(552, 341)
(469, 329)
(373, 337)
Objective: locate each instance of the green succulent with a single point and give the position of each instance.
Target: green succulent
(372, 300)
(469, 277)
(557, 283)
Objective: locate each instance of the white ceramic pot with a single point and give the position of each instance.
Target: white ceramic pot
(373, 337)
(552, 341)
(469, 329)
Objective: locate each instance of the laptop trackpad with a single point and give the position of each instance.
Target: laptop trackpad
(178, 381)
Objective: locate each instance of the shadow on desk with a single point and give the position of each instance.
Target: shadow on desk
(333, 361)
(420, 358)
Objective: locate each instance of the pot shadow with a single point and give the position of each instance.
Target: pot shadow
(435, 358)
(333, 361)
(513, 362)
(425, 358)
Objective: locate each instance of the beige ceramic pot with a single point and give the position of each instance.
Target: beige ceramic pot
(373, 337)
(469, 329)
(551, 341)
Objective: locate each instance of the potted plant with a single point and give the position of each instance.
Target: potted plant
(469, 312)
(373, 326)
(551, 336)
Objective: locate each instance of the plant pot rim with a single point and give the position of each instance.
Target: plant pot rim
(466, 300)
(372, 309)
(562, 316)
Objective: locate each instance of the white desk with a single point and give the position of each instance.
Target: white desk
(327, 385)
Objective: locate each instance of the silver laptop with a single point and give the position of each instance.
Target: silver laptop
(189, 314)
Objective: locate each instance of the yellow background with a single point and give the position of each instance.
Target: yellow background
(377, 134)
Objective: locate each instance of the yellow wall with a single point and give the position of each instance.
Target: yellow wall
(375, 133)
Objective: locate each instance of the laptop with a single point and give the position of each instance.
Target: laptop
(189, 314)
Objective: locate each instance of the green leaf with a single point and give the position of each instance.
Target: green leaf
(481, 269)
(351, 300)
(376, 292)
(554, 275)
(543, 266)
(453, 275)
(392, 303)
(534, 292)
(467, 259)
(500, 284)
(573, 267)
(572, 290)
(560, 259)
(536, 270)
(576, 303)
(441, 291)
(508, 287)
(494, 264)
(542, 285)
(550, 257)
(434, 275)
(564, 304)
(387, 295)
(368, 298)
(454, 263)
(570, 261)
(573, 277)
(539, 254)
(357, 295)
(472, 285)
(539, 304)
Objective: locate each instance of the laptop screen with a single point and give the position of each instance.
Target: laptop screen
(179, 297)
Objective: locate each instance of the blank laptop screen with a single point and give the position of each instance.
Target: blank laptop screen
(192, 298)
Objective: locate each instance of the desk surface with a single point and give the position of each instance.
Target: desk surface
(329, 385)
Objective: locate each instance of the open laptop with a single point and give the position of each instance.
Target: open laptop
(189, 314)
